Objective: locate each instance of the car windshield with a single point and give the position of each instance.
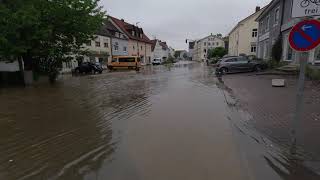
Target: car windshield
(159, 89)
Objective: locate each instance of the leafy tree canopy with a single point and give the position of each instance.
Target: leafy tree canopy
(47, 29)
(217, 52)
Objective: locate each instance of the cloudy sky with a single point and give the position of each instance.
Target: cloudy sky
(175, 20)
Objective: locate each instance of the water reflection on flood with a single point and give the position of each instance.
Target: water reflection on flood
(65, 131)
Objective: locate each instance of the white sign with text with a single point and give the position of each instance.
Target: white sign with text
(305, 8)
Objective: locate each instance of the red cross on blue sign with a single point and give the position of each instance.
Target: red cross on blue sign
(305, 36)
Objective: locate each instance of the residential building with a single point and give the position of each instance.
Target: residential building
(276, 22)
(98, 50)
(269, 31)
(119, 40)
(243, 37)
(160, 50)
(139, 44)
(182, 54)
(203, 45)
(191, 49)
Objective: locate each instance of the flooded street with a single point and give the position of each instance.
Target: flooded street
(164, 123)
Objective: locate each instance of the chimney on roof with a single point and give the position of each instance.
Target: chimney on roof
(122, 20)
(258, 8)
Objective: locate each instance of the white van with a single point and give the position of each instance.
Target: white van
(157, 61)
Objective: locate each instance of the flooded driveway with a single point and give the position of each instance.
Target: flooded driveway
(164, 123)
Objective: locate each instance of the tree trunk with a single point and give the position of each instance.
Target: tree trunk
(21, 71)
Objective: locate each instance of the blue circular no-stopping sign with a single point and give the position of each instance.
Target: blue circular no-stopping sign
(305, 36)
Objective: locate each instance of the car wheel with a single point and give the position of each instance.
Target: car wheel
(257, 68)
(224, 70)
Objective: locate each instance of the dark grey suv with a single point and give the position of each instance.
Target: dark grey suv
(238, 64)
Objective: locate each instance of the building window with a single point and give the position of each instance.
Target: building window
(277, 16)
(133, 47)
(106, 45)
(254, 32)
(204, 43)
(217, 43)
(261, 28)
(116, 46)
(205, 50)
(209, 44)
(253, 48)
(141, 47)
(124, 48)
(289, 54)
(88, 43)
(97, 44)
(267, 23)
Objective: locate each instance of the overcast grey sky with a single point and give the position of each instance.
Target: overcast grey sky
(175, 20)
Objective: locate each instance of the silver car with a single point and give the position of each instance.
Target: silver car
(238, 64)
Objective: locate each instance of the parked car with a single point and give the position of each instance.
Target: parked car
(88, 67)
(238, 64)
(157, 61)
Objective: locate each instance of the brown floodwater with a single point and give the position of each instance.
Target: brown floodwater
(164, 123)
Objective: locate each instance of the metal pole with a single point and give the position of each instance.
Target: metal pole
(300, 94)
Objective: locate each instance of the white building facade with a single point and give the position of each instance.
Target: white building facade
(201, 47)
(99, 50)
(160, 50)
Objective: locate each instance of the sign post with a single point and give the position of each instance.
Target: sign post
(303, 37)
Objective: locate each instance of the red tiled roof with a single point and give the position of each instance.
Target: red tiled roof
(126, 28)
(162, 44)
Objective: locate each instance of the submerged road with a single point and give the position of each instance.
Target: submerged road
(163, 123)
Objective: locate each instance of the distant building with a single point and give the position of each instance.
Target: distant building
(139, 44)
(202, 46)
(226, 42)
(119, 40)
(181, 54)
(160, 50)
(98, 50)
(243, 37)
(191, 49)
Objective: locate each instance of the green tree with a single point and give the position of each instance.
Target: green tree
(185, 56)
(217, 52)
(177, 54)
(47, 32)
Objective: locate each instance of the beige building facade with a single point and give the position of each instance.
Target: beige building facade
(243, 37)
(141, 49)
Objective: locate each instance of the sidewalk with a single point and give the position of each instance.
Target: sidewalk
(272, 109)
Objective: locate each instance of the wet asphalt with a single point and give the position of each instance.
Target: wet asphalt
(175, 122)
